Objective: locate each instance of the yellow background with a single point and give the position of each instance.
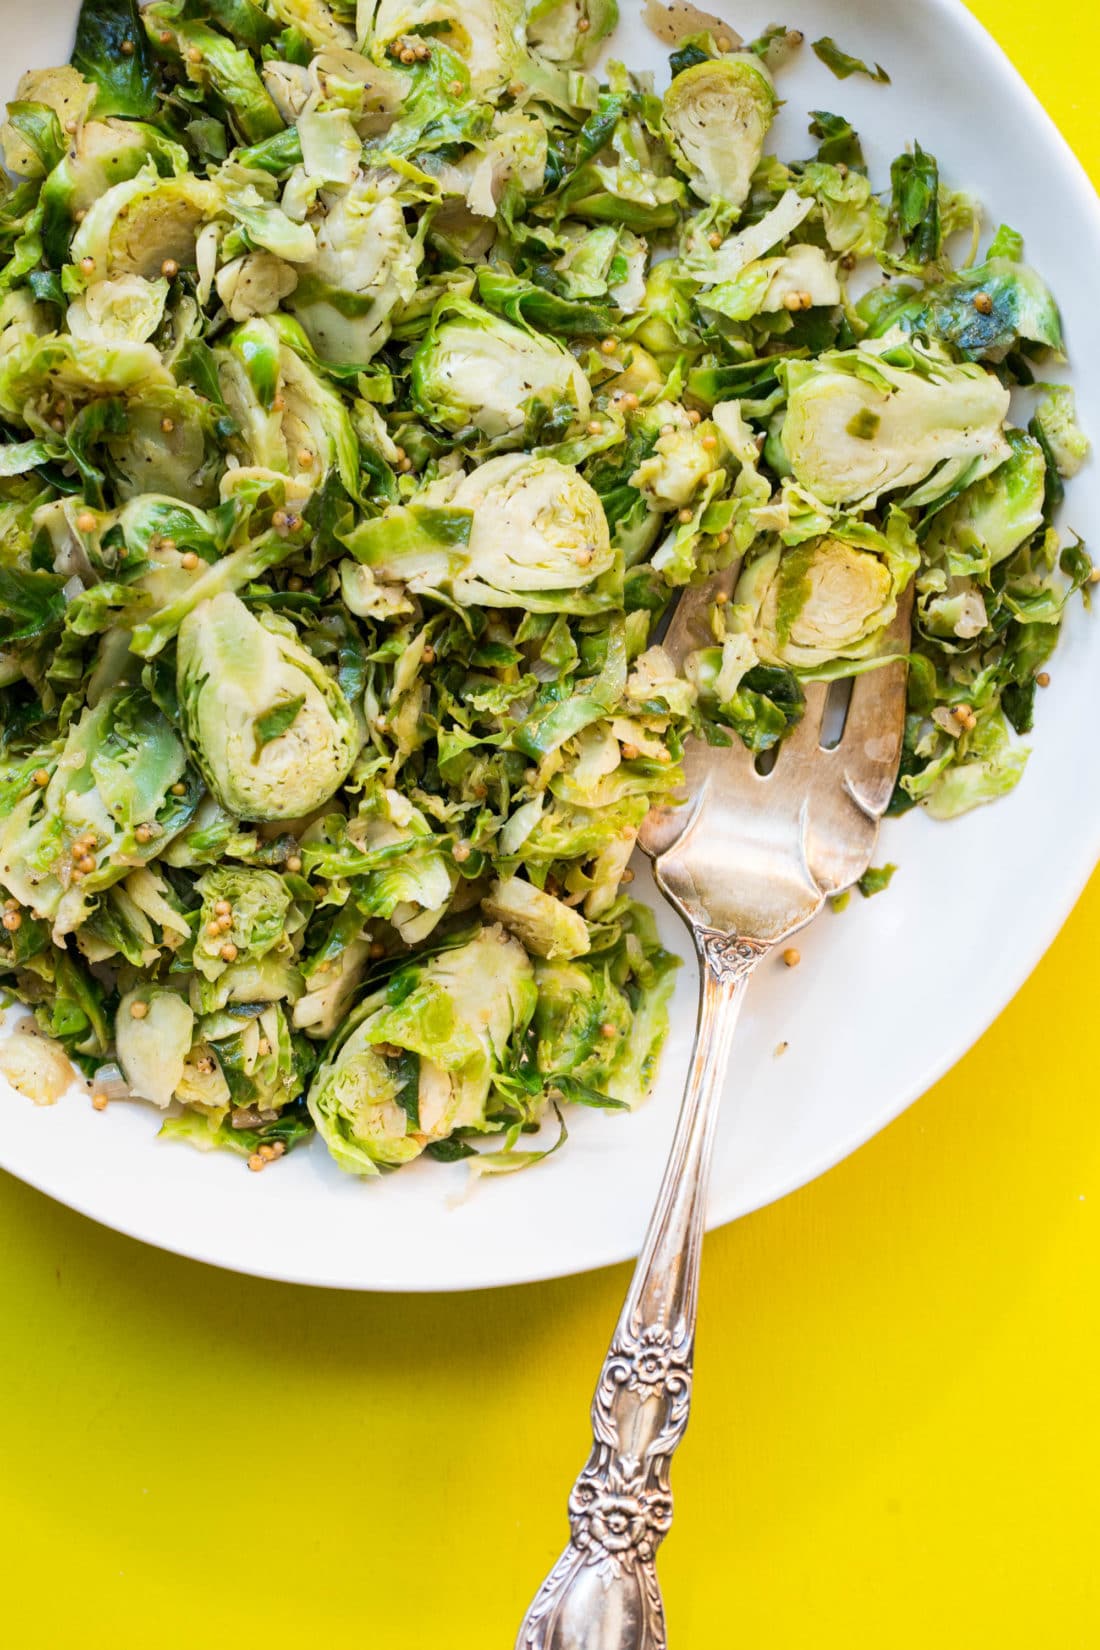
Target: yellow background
(896, 1434)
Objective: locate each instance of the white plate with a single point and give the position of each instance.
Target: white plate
(888, 995)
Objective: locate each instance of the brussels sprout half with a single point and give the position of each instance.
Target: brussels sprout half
(515, 532)
(830, 598)
(417, 1060)
(127, 310)
(475, 371)
(289, 418)
(270, 729)
(135, 227)
(863, 422)
(717, 116)
(108, 800)
(487, 34)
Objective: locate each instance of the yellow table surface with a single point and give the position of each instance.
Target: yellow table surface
(896, 1432)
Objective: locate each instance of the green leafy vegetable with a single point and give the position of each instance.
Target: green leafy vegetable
(915, 180)
(371, 382)
(838, 141)
(111, 50)
(717, 114)
(875, 879)
(274, 723)
(843, 64)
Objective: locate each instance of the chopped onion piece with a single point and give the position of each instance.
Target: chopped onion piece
(36, 1066)
(672, 22)
(110, 1082)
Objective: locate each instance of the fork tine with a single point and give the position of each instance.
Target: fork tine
(668, 819)
(873, 732)
(807, 735)
(756, 855)
(871, 747)
(686, 626)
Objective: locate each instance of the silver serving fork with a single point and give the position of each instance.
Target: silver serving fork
(747, 861)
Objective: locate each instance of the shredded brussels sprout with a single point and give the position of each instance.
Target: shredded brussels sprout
(372, 378)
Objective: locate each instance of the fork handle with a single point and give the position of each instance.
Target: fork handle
(603, 1592)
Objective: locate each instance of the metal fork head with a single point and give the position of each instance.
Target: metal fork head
(757, 854)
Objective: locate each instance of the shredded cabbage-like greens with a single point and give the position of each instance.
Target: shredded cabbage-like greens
(371, 380)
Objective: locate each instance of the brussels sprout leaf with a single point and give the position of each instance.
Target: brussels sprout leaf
(838, 141)
(843, 64)
(112, 51)
(273, 723)
(248, 24)
(40, 129)
(31, 604)
(875, 879)
(686, 57)
(916, 184)
(451, 1150)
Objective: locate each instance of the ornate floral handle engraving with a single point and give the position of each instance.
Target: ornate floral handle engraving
(603, 1592)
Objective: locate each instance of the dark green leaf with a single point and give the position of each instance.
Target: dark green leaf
(597, 130)
(207, 138)
(911, 764)
(838, 141)
(746, 378)
(195, 365)
(1014, 369)
(92, 425)
(451, 1150)
(916, 185)
(686, 57)
(46, 286)
(405, 1069)
(333, 638)
(30, 939)
(1053, 489)
(159, 680)
(77, 1016)
(767, 703)
(31, 604)
(291, 1128)
(1018, 703)
(112, 51)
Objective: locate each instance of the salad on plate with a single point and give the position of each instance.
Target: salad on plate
(372, 381)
